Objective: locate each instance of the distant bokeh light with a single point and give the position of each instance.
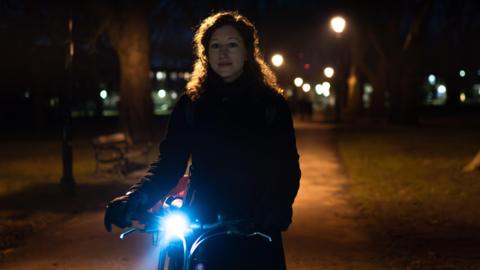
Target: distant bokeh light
(103, 94)
(441, 90)
(326, 85)
(323, 89)
(462, 73)
(328, 71)
(432, 79)
(306, 87)
(326, 92)
(298, 81)
(161, 93)
(161, 75)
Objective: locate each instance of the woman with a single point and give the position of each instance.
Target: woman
(236, 127)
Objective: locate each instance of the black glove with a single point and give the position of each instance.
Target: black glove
(120, 211)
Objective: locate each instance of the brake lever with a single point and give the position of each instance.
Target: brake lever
(129, 231)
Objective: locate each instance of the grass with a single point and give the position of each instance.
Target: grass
(30, 195)
(409, 184)
(27, 163)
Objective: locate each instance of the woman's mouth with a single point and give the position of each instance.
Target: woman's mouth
(224, 64)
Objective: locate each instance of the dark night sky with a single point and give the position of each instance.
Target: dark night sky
(295, 20)
(292, 27)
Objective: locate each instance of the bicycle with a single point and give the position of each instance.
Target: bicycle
(180, 239)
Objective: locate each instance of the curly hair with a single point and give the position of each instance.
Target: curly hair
(255, 64)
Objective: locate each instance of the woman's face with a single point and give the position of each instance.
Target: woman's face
(227, 53)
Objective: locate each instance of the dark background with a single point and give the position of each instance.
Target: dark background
(391, 46)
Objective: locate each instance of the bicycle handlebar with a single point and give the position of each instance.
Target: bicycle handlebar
(151, 222)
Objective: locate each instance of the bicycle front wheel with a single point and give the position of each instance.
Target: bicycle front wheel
(170, 259)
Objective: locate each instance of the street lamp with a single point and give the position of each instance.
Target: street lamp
(338, 24)
(306, 87)
(277, 60)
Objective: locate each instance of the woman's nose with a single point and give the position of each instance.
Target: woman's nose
(223, 50)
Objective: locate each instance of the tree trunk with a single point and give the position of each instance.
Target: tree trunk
(357, 72)
(404, 83)
(38, 112)
(379, 83)
(354, 93)
(403, 108)
(130, 38)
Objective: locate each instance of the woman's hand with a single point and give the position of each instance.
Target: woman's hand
(120, 211)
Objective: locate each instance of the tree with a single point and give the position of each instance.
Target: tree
(127, 26)
(391, 55)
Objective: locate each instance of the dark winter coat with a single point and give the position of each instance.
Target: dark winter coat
(242, 145)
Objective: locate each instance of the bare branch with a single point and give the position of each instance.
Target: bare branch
(376, 44)
(417, 25)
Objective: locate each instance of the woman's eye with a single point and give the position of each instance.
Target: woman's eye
(232, 45)
(214, 46)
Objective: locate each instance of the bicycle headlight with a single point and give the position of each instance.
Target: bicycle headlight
(175, 224)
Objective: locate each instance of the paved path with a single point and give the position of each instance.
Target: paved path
(326, 233)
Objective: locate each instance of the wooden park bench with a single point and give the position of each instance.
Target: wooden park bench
(114, 152)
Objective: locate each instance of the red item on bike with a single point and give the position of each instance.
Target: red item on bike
(180, 190)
